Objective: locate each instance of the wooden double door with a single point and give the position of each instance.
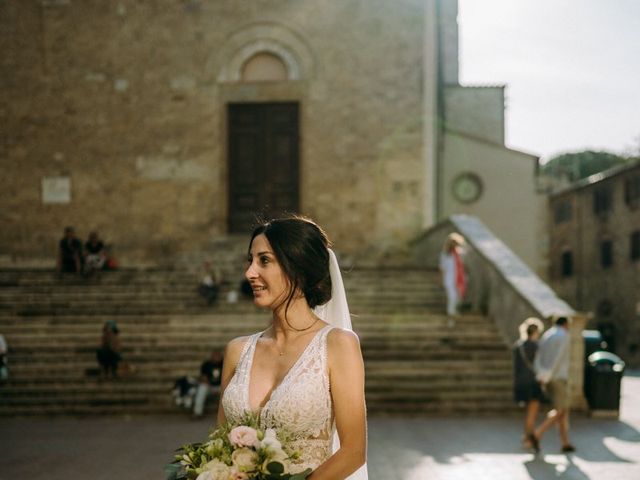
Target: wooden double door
(263, 162)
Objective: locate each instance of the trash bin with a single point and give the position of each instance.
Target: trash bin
(605, 376)
(593, 342)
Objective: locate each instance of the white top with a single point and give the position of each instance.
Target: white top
(448, 267)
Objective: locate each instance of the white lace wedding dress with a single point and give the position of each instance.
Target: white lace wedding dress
(300, 404)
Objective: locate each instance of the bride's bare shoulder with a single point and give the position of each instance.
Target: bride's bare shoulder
(343, 342)
(233, 350)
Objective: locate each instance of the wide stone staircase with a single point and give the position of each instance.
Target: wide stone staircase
(417, 360)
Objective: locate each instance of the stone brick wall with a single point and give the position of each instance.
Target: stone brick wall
(476, 111)
(127, 100)
(591, 285)
(449, 41)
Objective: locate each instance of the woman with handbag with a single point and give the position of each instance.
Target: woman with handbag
(526, 389)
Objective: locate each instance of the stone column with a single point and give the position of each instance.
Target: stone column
(430, 113)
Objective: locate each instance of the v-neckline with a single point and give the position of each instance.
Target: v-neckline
(260, 408)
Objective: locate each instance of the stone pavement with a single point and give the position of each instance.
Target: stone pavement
(452, 448)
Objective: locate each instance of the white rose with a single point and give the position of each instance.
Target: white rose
(270, 441)
(205, 476)
(245, 459)
(214, 470)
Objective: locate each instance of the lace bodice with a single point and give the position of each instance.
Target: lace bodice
(300, 404)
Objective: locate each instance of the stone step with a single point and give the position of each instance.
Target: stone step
(158, 393)
(195, 303)
(182, 276)
(385, 407)
(169, 339)
(369, 320)
(108, 291)
(139, 384)
(85, 357)
(358, 293)
(148, 368)
(387, 368)
(222, 326)
(167, 373)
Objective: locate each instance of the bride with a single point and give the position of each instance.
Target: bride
(305, 372)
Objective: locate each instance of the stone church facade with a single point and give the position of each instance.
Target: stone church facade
(164, 124)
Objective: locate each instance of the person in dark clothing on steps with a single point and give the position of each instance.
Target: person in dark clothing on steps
(69, 253)
(109, 352)
(209, 382)
(95, 254)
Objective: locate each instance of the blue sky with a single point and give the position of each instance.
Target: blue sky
(572, 70)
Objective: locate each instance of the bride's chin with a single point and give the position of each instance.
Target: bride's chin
(261, 302)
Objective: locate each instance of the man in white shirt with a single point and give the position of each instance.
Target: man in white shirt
(552, 371)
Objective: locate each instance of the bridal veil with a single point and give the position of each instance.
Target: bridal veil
(336, 313)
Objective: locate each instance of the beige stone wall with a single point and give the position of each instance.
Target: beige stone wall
(476, 111)
(591, 284)
(509, 204)
(127, 99)
(449, 41)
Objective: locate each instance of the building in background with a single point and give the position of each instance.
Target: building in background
(595, 253)
(477, 174)
(166, 124)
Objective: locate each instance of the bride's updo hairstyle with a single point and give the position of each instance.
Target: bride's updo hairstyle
(301, 247)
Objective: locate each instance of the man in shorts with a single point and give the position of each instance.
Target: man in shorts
(552, 371)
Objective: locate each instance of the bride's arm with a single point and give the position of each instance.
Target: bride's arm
(231, 357)
(346, 373)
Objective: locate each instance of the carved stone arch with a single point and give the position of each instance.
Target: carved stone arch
(234, 68)
(226, 63)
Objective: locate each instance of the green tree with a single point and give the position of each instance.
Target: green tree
(578, 165)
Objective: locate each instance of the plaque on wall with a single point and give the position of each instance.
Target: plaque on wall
(56, 190)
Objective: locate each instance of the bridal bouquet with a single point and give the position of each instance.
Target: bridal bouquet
(237, 452)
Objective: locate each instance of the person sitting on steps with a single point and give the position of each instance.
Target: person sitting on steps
(208, 383)
(69, 258)
(95, 254)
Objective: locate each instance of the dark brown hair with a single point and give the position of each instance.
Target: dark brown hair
(531, 329)
(302, 250)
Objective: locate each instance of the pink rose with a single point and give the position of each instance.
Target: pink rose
(244, 437)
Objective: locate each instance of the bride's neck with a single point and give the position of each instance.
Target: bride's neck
(299, 318)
